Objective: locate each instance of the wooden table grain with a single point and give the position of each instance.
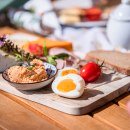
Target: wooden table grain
(20, 114)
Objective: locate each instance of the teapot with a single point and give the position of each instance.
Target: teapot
(118, 26)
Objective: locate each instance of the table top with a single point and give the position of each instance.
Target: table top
(20, 114)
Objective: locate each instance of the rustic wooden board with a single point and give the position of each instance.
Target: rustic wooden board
(93, 97)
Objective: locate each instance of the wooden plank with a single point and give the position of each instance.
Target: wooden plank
(3, 128)
(9, 30)
(61, 119)
(123, 100)
(115, 116)
(15, 117)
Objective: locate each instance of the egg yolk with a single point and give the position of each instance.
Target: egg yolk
(65, 72)
(66, 85)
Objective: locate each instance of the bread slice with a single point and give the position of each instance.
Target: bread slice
(73, 12)
(112, 59)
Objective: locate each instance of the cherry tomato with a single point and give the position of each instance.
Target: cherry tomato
(36, 49)
(90, 72)
(93, 14)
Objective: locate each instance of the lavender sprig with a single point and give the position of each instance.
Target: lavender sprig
(10, 48)
(2, 39)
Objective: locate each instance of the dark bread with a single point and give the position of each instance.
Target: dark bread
(112, 59)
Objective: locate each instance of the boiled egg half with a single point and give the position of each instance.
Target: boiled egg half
(66, 71)
(70, 86)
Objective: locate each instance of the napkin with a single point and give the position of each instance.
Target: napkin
(44, 9)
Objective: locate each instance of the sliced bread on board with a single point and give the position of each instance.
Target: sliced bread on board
(112, 59)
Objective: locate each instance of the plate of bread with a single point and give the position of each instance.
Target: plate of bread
(79, 17)
(82, 13)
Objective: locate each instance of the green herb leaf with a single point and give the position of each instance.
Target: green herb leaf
(51, 60)
(28, 56)
(45, 49)
(18, 57)
(30, 67)
(61, 56)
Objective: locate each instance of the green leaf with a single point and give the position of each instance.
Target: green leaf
(61, 56)
(30, 67)
(51, 60)
(45, 49)
(18, 57)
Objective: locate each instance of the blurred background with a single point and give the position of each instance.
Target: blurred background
(82, 22)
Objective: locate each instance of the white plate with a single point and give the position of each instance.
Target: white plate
(87, 24)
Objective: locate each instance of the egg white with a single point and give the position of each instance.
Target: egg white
(77, 92)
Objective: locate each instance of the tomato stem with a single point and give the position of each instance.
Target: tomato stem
(101, 64)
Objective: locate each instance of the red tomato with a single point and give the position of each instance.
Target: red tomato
(36, 49)
(93, 14)
(90, 72)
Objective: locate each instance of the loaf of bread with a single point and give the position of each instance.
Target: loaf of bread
(112, 59)
(68, 19)
(73, 12)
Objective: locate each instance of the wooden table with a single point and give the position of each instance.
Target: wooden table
(20, 114)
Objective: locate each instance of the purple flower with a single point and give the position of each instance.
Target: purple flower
(1, 43)
(2, 39)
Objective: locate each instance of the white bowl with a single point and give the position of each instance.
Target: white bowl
(36, 85)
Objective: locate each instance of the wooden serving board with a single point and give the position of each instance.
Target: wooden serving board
(95, 95)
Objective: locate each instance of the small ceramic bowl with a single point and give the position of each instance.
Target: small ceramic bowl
(51, 71)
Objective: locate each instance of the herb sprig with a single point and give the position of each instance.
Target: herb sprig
(45, 51)
(52, 58)
(10, 48)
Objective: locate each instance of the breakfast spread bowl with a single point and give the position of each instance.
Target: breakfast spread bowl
(51, 72)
